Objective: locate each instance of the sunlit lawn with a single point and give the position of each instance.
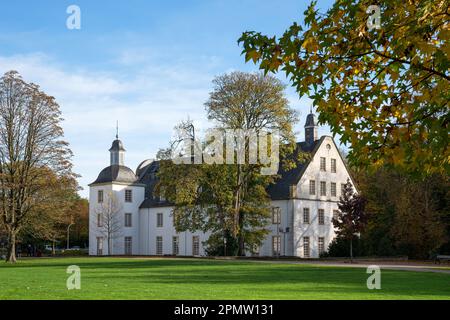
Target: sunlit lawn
(126, 278)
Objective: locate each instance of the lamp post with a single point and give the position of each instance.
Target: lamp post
(68, 234)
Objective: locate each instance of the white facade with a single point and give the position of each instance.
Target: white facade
(315, 230)
(305, 227)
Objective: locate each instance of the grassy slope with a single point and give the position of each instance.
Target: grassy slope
(122, 278)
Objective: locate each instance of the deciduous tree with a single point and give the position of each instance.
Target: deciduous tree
(351, 218)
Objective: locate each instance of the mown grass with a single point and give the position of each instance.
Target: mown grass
(152, 278)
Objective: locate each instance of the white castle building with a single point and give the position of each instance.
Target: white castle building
(303, 199)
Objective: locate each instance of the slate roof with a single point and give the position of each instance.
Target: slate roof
(277, 191)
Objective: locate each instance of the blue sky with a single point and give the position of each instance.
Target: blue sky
(147, 64)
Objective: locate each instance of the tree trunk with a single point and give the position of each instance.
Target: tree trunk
(11, 255)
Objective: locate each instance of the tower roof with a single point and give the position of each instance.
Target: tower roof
(117, 145)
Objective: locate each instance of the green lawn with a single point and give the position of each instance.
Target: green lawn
(125, 278)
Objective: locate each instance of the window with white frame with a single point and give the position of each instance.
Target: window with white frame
(321, 242)
(127, 219)
(321, 216)
(128, 195)
(159, 220)
(312, 187)
(333, 165)
(323, 164)
(342, 189)
(175, 245)
(276, 245)
(333, 189)
(276, 215)
(306, 249)
(195, 245)
(128, 246)
(306, 215)
(99, 220)
(100, 196)
(323, 188)
(159, 245)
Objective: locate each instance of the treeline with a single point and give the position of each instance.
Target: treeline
(407, 216)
